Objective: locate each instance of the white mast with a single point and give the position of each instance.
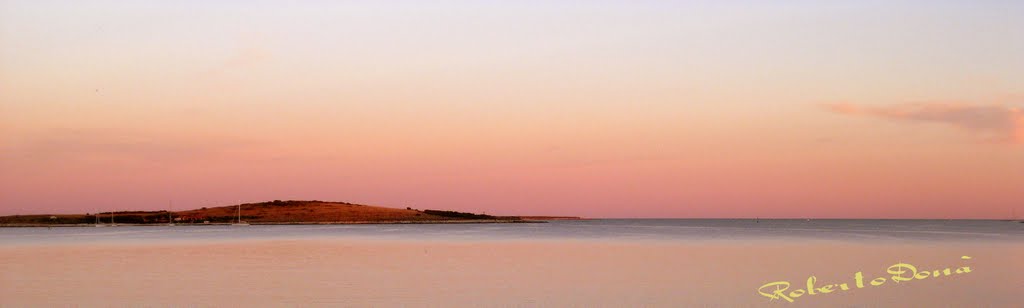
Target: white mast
(240, 223)
(98, 219)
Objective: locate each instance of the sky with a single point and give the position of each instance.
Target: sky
(633, 109)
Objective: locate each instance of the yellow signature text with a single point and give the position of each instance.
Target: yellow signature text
(899, 272)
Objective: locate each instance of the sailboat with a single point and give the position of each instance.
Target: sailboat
(98, 220)
(170, 214)
(240, 223)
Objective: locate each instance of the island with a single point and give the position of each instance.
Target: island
(275, 212)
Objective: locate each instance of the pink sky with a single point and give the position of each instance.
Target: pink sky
(601, 110)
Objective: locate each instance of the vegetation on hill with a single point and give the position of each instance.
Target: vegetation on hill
(454, 214)
(276, 211)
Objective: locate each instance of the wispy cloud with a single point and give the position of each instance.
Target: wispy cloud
(997, 123)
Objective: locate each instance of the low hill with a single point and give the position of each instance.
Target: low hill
(264, 212)
(319, 211)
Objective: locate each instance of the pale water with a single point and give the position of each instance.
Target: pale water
(603, 229)
(589, 263)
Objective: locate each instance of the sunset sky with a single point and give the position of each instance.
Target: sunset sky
(831, 109)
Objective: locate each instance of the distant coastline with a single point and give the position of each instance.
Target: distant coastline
(409, 222)
(275, 212)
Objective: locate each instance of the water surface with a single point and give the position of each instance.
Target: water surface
(602, 229)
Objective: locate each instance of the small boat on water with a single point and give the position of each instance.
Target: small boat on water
(98, 221)
(239, 221)
(170, 214)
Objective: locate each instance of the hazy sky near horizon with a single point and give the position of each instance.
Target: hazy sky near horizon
(876, 109)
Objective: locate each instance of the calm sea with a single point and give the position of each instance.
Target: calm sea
(588, 263)
(601, 230)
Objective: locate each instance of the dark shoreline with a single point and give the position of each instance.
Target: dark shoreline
(399, 222)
